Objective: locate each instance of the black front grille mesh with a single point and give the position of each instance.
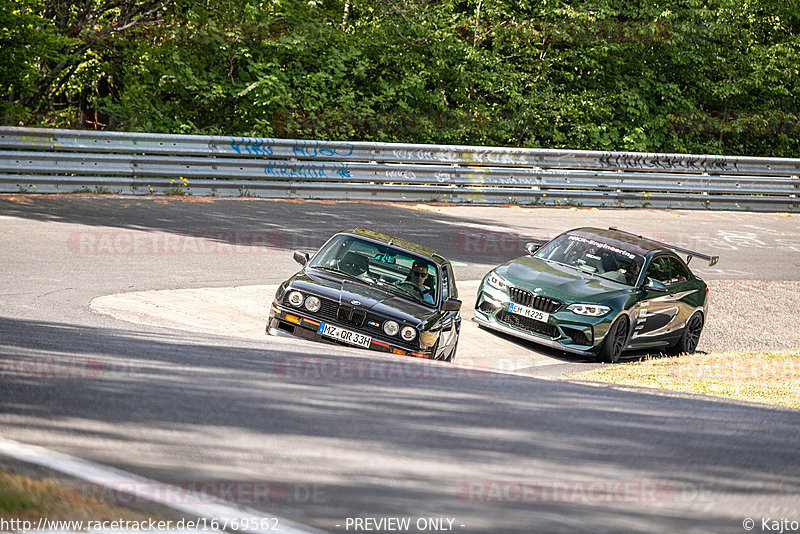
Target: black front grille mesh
(538, 302)
(578, 336)
(328, 309)
(487, 307)
(525, 323)
(352, 316)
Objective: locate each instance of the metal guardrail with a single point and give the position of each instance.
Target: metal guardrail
(47, 161)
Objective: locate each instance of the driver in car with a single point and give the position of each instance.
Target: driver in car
(417, 276)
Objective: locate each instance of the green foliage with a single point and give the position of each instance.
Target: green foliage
(27, 40)
(704, 76)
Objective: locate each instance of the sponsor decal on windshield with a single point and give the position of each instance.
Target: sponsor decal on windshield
(604, 246)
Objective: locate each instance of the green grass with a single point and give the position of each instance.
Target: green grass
(764, 377)
(26, 499)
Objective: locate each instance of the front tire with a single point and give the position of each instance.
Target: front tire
(614, 342)
(690, 337)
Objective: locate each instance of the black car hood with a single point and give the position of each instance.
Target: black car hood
(558, 281)
(344, 290)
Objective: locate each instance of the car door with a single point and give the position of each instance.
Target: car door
(657, 311)
(680, 286)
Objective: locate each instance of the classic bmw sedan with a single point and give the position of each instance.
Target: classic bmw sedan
(599, 292)
(375, 291)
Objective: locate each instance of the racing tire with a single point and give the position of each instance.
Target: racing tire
(615, 341)
(687, 343)
(272, 330)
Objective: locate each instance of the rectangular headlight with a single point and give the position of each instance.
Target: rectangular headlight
(591, 310)
(496, 282)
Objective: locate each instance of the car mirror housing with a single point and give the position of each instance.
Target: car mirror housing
(301, 257)
(530, 248)
(451, 305)
(652, 284)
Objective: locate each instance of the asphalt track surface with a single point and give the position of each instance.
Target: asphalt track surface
(368, 436)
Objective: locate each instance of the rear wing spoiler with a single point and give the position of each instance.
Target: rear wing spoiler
(712, 260)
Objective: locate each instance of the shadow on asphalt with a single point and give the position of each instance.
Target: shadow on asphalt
(286, 225)
(383, 437)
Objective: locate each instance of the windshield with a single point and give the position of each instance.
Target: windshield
(594, 255)
(400, 272)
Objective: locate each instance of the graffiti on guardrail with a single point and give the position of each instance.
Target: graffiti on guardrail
(302, 149)
(252, 146)
(41, 141)
(666, 161)
(488, 174)
(312, 149)
(281, 169)
(422, 154)
(400, 175)
(500, 156)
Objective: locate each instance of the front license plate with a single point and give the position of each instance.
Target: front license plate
(525, 311)
(348, 336)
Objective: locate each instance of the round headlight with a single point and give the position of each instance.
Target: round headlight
(391, 328)
(313, 304)
(408, 333)
(295, 298)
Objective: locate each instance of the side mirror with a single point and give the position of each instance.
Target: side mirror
(451, 305)
(652, 284)
(301, 257)
(530, 248)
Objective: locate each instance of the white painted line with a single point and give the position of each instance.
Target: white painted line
(174, 497)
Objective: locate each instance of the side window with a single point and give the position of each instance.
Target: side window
(659, 269)
(678, 272)
(451, 282)
(446, 287)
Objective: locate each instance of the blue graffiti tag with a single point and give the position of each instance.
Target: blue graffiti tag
(280, 169)
(312, 149)
(341, 170)
(252, 146)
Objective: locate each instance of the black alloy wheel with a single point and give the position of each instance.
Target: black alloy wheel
(615, 341)
(690, 338)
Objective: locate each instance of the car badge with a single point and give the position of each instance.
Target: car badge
(537, 290)
(355, 303)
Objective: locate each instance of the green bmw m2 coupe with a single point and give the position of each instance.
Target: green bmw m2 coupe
(599, 292)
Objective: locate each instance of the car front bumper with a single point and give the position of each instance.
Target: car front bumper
(564, 329)
(297, 323)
